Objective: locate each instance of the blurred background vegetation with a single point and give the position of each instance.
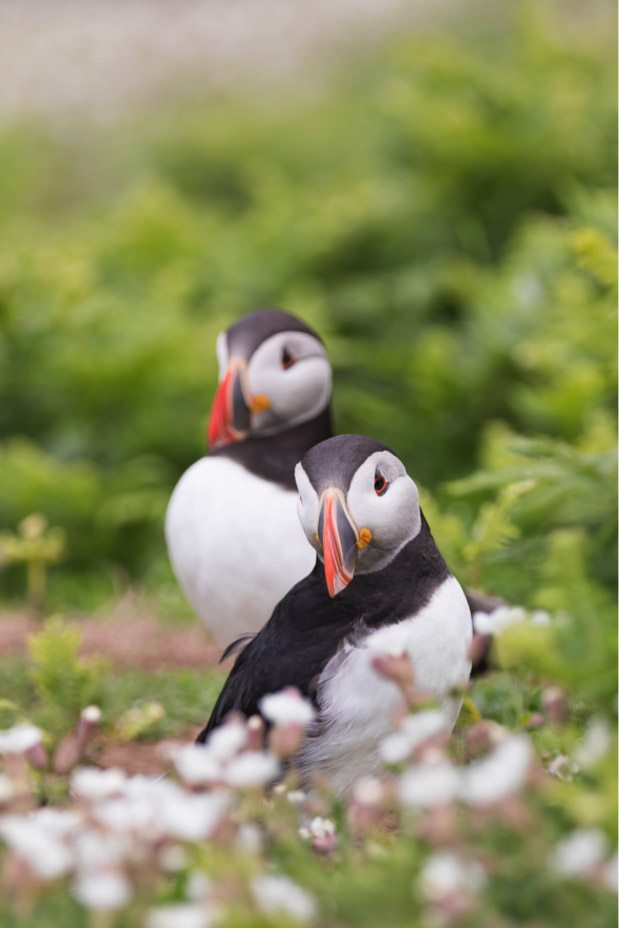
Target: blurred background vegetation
(440, 203)
(442, 209)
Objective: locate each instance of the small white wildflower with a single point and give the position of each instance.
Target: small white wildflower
(428, 785)
(415, 729)
(321, 828)
(91, 714)
(275, 894)
(179, 916)
(304, 833)
(102, 890)
(125, 814)
(95, 784)
(251, 769)
(225, 741)
(499, 774)
(192, 816)
(444, 874)
(596, 743)
(392, 641)
(96, 851)
(495, 622)
(369, 791)
(196, 764)
(579, 852)
(56, 822)
(19, 739)
(46, 856)
(296, 797)
(562, 767)
(287, 706)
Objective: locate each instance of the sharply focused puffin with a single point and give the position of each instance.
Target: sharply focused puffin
(378, 572)
(231, 526)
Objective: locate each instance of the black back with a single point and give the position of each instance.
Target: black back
(308, 627)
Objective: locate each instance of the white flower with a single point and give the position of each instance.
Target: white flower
(95, 784)
(445, 873)
(192, 817)
(196, 764)
(179, 916)
(56, 822)
(369, 791)
(296, 797)
(579, 852)
(427, 785)
(44, 853)
(595, 744)
(500, 773)
(275, 893)
(415, 729)
(91, 714)
(251, 769)
(390, 640)
(19, 739)
(321, 828)
(562, 767)
(287, 706)
(227, 740)
(125, 814)
(102, 890)
(95, 850)
(495, 622)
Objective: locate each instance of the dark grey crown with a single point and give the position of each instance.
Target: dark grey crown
(334, 462)
(252, 330)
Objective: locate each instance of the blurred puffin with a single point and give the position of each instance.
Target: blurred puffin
(378, 572)
(231, 528)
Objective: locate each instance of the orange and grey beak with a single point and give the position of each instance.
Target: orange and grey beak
(233, 405)
(339, 537)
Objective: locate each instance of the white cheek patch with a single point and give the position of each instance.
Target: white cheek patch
(308, 507)
(393, 517)
(297, 393)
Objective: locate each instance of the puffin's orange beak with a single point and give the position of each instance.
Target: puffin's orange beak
(338, 536)
(230, 413)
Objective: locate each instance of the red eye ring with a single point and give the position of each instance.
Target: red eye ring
(380, 484)
(287, 359)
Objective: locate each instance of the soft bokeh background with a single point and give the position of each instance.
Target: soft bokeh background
(431, 185)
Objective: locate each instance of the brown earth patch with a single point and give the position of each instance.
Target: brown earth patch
(128, 640)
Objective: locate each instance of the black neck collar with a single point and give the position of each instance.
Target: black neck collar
(400, 589)
(273, 457)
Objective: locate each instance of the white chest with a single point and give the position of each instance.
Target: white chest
(357, 704)
(235, 544)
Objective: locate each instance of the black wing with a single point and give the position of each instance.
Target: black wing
(301, 636)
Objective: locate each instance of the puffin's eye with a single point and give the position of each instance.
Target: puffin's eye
(380, 484)
(287, 359)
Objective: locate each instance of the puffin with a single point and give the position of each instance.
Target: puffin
(378, 577)
(231, 528)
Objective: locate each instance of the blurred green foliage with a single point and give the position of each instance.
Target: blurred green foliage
(444, 215)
